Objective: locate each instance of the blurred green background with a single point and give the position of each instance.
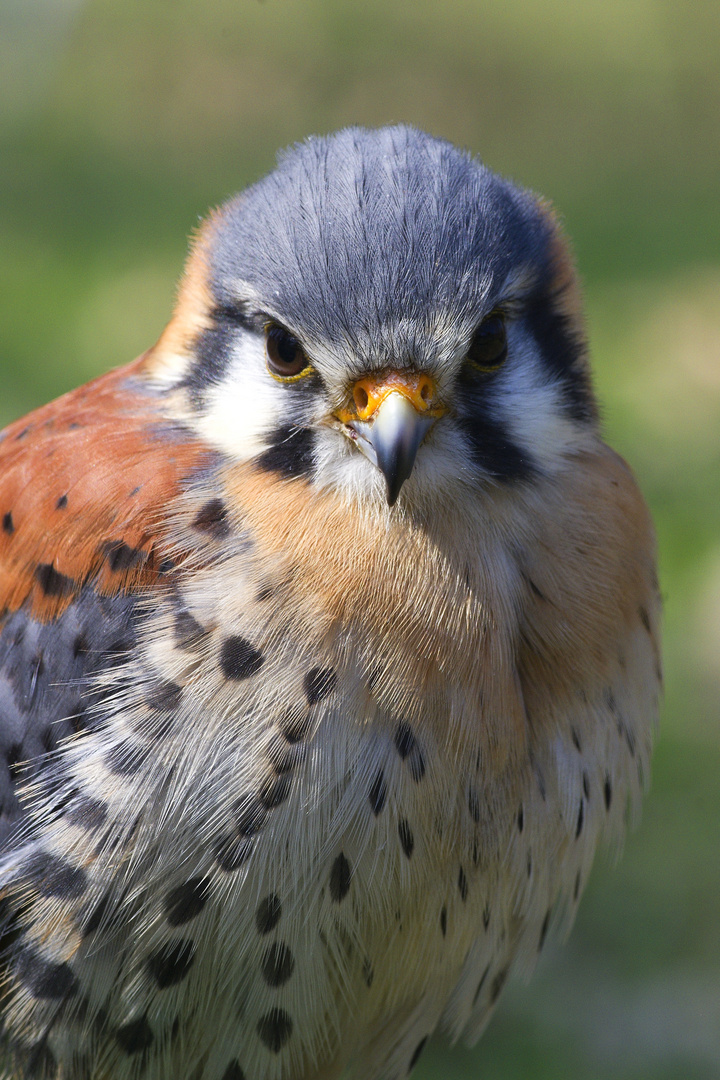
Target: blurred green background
(122, 121)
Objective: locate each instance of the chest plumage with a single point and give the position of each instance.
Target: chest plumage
(331, 766)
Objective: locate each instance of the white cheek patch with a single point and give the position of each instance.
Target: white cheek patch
(529, 405)
(246, 405)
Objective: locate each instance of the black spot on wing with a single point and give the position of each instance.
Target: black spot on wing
(46, 687)
(53, 876)
(43, 978)
(290, 452)
(52, 582)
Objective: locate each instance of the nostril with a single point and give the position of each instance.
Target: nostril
(426, 390)
(361, 399)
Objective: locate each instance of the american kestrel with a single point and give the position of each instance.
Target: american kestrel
(329, 639)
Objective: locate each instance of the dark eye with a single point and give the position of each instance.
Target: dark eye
(285, 355)
(488, 347)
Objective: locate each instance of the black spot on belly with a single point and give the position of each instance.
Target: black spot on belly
(340, 875)
(275, 1028)
(239, 659)
(407, 747)
(278, 964)
(443, 920)
(135, 1036)
(232, 852)
(406, 837)
(233, 1071)
(607, 793)
(186, 901)
(295, 724)
(170, 963)
(8, 524)
(378, 793)
(274, 792)
(283, 756)
(462, 884)
(61, 503)
(250, 815)
(268, 913)
(580, 819)
(319, 682)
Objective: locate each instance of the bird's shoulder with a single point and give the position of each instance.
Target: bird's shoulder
(85, 483)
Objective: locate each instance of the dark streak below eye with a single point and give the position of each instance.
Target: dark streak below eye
(289, 452)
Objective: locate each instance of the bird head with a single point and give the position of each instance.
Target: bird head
(386, 317)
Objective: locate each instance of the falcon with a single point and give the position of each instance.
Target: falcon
(328, 639)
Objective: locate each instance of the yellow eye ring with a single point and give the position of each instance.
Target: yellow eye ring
(286, 359)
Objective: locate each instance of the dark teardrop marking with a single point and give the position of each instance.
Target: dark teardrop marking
(278, 964)
(268, 913)
(407, 840)
(408, 749)
(135, 1037)
(274, 1029)
(340, 875)
(378, 793)
(186, 901)
(233, 1071)
(169, 964)
(318, 683)
(239, 659)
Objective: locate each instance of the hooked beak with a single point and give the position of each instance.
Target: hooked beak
(391, 417)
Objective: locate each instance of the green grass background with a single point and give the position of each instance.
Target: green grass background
(121, 121)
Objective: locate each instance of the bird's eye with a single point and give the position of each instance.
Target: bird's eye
(286, 358)
(488, 348)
